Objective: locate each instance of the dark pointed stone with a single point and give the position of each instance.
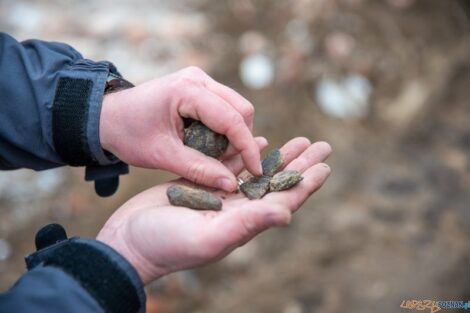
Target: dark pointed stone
(256, 187)
(272, 163)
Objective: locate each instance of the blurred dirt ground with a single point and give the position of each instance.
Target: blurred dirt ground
(387, 83)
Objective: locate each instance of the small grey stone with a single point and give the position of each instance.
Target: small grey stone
(272, 163)
(256, 187)
(198, 136)
(284, 180)
(193, 198)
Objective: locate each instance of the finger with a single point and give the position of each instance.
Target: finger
(235, 163)
(316, 153)
(230, 152)
(293, 198)
(292, 149)
(241, 224)
(222, 118)
(242, 105)
(198, 168)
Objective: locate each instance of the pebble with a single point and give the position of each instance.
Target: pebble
(198, 136)
(193, 198)
(5, 250)
(272, 162)
(284, 180)
(256, 187)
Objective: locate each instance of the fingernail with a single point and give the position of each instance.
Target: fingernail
(226, 184)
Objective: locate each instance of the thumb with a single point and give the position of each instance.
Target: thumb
(199, 168)
(240, 224)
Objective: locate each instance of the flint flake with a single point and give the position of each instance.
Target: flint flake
(284, 180)
(256, 187)
(272, 163)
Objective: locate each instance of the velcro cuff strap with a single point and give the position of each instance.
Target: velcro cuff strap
(69, 120)
(95, 270)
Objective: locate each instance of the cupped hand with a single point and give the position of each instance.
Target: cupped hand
(158, 238)
(143, 126)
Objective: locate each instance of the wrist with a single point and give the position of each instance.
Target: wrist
(114, 83)
(106, 122)
(115, 239)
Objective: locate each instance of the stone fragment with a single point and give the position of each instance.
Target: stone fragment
(256, 187)
(198, 136)
(193, 198)
(284, 180)
(272, 163)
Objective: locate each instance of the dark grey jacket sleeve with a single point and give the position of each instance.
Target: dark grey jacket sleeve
(48, 290)
(35, 76)
(76, 276)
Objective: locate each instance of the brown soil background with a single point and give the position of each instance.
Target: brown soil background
(392, 222)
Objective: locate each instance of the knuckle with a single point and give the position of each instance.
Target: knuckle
(248, 111)
(235, 124)
(189, 76)
(196, 173)
(195, 71)
(236, 120)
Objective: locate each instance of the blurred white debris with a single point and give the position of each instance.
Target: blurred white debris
(257, 71)
(293, 307)
(346, 98)
(5, 249)
(28, 17)
(25, 185)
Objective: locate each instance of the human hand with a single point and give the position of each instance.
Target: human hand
(143, 126)
(157, 238)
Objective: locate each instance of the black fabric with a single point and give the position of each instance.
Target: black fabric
(69, 120)
(106, 177)
(101, 277)
(49, 234)
(106, 187)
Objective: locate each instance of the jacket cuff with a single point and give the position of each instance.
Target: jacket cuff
(76, 114)
(104, 273)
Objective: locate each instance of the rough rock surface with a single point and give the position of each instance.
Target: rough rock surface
(256, 187)
(193, 198)
(272, 163)
(284, 180)
(198, 136)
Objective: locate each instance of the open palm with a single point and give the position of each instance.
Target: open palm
(158, 238)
